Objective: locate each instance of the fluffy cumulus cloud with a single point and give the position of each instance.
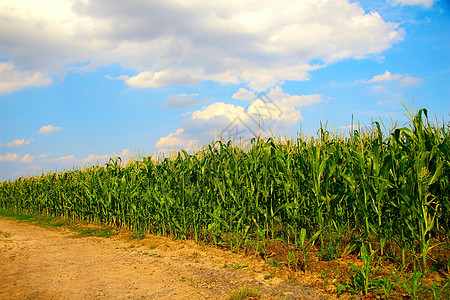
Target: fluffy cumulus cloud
(162, 78)
(244, 94)
(176, 139)
(170, 42)
(13, 157)
(48, 129)
(266, 114)
(184, 100)
(27, 158)
(402, 79)
(17, 143)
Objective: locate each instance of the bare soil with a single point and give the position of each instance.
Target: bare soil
(48, 263)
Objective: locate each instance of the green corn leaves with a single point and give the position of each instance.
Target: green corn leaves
(383, 187)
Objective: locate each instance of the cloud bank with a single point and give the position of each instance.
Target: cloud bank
(169, 42)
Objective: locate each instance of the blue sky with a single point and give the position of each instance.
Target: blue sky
(82, 80)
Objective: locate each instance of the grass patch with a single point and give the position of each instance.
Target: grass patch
(105, 233)
(245, 293)
(87, 231)
(234, 265)
(55, 222)
(139, 234)
(34, 218)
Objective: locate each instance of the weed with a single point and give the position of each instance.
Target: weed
(292, 259)
(234, 265)
(139, 234)
(105, 232)
(87, 231)
(245, 293)
(274, 262)
(57, 224)
(387, 284)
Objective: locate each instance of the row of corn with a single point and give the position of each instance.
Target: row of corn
(383, 187)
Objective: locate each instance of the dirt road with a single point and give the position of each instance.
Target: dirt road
(47, 263)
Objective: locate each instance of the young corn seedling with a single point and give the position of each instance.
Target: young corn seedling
(292, 259)
(438, 291)
(361, 281)
(387, 284)
(304, 245)
(414, 284)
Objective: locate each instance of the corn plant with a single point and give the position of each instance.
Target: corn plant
(371, 186)
(361, 281)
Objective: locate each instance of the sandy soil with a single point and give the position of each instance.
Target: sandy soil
(47, 263)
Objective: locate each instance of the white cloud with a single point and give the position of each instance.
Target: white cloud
(162, 78)
(184, 100)
(17, 143)
(244, 94)
(126, 153)
(171, 42)
(12, 79)
(48, 129)
(387, 76)
(99, 159)
(63, 159)
(94, 158)
(403, 79)
(217, 109)
(423, 3)
(273, 112)
(176, 139)
(27, 158)
(13, 157)
(122, 77)
(408, 80)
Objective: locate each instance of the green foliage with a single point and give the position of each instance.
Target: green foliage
(235, 265)
(414, 284)
(361, 280)
(139, 234)
(304, 244)
(105, 232)
(388, 187)
(441, 290)
(274, 262)
(87, 231)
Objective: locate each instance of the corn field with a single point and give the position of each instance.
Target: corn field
(370, 186)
